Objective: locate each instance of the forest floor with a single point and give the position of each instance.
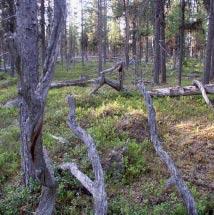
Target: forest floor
(135, 176)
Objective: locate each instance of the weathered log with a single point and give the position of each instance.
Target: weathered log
(96, 187)
(176, 177)
(68, 83)
(181, 91)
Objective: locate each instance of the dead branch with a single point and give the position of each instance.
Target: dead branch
(115, 85)
(96, 187)
(181, 91)
(203, 92)
(112, 68)
(165, 157)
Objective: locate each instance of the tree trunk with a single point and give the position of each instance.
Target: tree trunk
(8, 27)
(134, 37)
(42, 25)
(157, 58)
(212, 62)
(210, 38)
(163, 43)
(105, 43)
(125, 5)
(181, 41)
(100, 37)
(82, 33)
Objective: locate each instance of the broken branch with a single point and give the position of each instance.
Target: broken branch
(165, 157)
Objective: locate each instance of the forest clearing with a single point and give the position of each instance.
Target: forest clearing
(103, 111)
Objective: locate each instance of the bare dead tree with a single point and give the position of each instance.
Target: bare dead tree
(96, 187)
(176, 178)
(33, 94)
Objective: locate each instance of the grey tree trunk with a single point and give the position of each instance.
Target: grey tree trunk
(210, 38)
(42, 26)
(157, 56)
(105, 31)
(100, 37)
(33, 94)
(125, 5)
(8, 27)
(134, 37)
(163, 43)
(212, 62)
(181, 41)
(147, 42)
(82, 33)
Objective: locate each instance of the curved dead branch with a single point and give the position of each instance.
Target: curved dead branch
(96, 187)
(203, 92)
(115, 85)
(176, 178)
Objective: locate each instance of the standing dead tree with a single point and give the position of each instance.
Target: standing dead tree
(33, 94)
(97, 187)
(115, 85)
(176, 178)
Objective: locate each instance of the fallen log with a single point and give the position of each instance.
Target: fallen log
(176, 178)
(69, 83)
(181, 91)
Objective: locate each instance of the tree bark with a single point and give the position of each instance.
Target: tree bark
(82, 33)
(105, 31)
(209, 46)
(126, 10)
(42, 26)
(100, 37)
(35, 162)
(163, 43)
(157, 58)
(181, 41)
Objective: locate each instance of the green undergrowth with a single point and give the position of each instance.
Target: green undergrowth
(135, 183)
